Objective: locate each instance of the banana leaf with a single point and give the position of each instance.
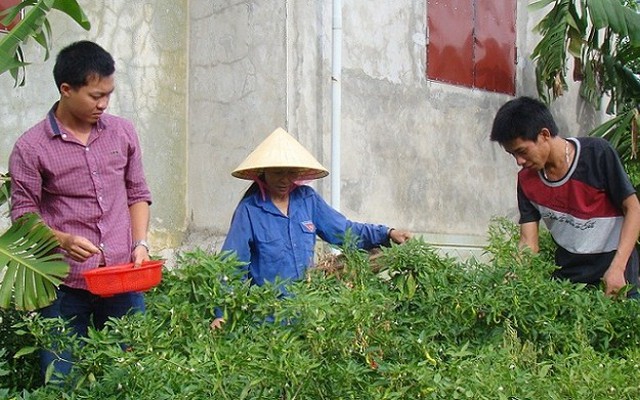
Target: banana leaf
(618, 131)
(603, 37)
(30, 270)
(550, 55)
(614, 15)
(5, 184)
(34, 25)
(539, 5)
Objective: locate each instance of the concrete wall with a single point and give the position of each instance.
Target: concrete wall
(148, 40)
(415, 153)
(206, 81)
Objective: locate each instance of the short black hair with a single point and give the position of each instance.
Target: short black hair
(81, 60)
(524, 118)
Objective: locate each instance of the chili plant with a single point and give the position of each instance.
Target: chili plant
(410, 322)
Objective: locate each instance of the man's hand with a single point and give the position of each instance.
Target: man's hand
(614, 280)
(77, 248)
(139, 255)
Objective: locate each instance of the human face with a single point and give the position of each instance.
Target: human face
(87, 103)
(528, 153)
(280, 181)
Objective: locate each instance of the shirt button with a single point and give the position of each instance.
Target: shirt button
(64, 135)
(86, 149)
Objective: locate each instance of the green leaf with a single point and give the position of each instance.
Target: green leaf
(598, 13)
(5, 188)
(25, 351)
(34, 25)
(612, 14)
(73, 10)
(604, 37)
(49, 372)
(411, 286)
(539, 5)
(30, 270)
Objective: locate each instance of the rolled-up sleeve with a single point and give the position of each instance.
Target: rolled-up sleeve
(26, 181)
(239, 237)
(135, 181)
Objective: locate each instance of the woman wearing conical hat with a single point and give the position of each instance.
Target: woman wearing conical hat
(274, 226)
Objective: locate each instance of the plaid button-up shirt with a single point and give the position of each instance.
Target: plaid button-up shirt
(84, 190)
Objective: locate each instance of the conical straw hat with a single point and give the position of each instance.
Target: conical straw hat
(280, 150)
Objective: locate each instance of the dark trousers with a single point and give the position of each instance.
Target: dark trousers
(82, 309)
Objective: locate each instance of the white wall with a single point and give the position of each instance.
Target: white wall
(205, 81)
(148, 40)
(415, 153)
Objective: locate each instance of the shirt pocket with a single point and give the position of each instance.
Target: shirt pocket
(270, 246)
(116, 159)
(306, 241)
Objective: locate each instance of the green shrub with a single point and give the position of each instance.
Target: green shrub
(24, 371)
(410, 324)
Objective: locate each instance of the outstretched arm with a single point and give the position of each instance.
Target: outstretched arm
(614, 278)
(529, 236)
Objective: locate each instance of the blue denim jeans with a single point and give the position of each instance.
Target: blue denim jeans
(82, 309)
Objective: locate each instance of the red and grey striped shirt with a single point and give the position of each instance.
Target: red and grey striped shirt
(583, 210)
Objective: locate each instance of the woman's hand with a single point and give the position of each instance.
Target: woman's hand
(399, 236)
(217, 323)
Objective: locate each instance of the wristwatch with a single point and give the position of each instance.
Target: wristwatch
(142, 243)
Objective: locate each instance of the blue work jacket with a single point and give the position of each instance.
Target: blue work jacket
(276, 245)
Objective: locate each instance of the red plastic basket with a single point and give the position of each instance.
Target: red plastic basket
(111, 280)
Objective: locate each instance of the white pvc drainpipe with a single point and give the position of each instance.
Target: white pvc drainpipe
(336, 103)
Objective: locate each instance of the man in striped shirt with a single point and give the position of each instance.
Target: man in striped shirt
(579, 188)
(81, 170)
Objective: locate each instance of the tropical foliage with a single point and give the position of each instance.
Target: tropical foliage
(411, 323)
(602, 37)
(29, 270)
(34, 24)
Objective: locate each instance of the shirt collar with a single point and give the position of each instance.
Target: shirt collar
(55, 127)
(267, 205)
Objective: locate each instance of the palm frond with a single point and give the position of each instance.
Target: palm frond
(618, 132)
(603, 37)
(29, 269)
(73, 10)
(622, 20)
(5, 186)
(34, 25)
(590, 89)
(550, 55)
(539, 5)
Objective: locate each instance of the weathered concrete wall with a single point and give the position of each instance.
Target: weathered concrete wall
(236, 90)
(415, 153)
(205, 81)
(148, 40)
